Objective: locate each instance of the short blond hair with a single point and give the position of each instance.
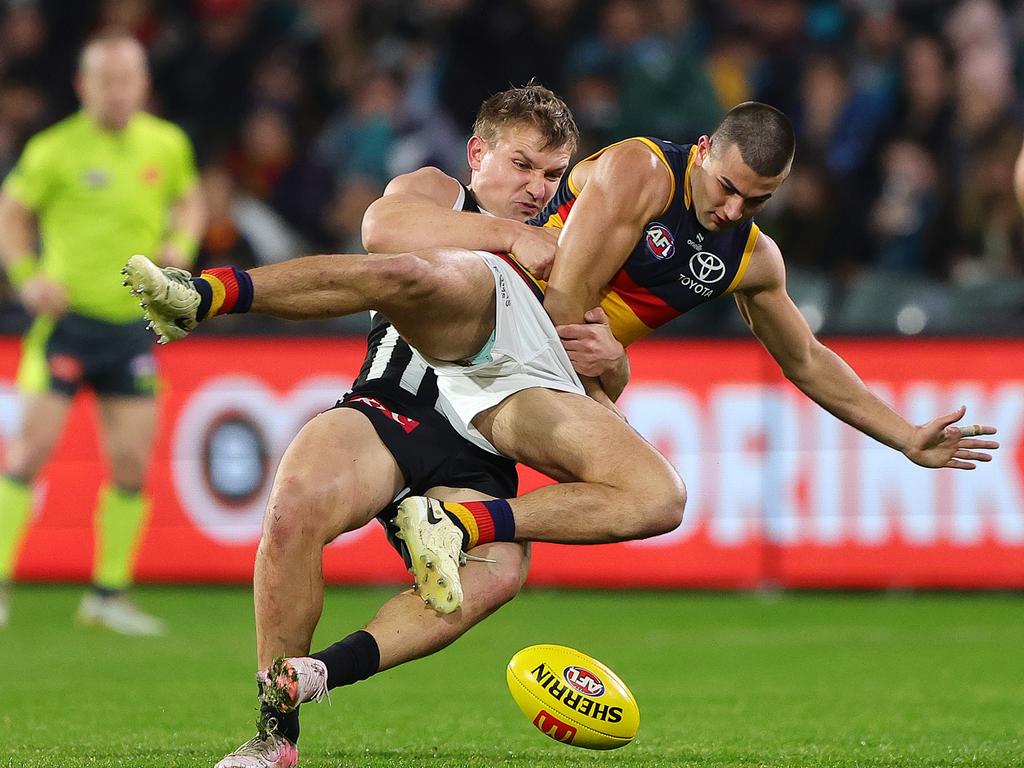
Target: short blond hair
(531, 104)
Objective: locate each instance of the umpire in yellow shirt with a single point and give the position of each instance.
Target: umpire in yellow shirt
(107, 182)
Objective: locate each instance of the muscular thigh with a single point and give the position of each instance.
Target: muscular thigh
(340, 469)
(448, 312)
(434, 459)
(567, 436)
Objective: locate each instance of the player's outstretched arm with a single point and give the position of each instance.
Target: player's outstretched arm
(826, 378)
(940, 443)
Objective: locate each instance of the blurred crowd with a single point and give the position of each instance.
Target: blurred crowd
(908, 113)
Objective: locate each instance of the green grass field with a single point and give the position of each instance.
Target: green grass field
(722, 680)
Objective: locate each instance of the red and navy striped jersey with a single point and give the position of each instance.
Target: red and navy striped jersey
(390, 363)
(677, 264)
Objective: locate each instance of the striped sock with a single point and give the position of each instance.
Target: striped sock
(224, 291)
(482, 522)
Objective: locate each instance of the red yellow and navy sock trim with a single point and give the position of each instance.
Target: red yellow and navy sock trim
(223, 291)
(482, 521)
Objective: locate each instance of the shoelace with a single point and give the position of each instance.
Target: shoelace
(259, 745)
(320, 683)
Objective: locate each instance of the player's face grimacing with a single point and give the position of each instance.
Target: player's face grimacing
(726, 191)
(514, 176)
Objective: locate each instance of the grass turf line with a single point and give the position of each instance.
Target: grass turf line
(722, 680)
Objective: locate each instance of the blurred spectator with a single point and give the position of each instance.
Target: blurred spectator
(987, 137)
(733, 62)
(664, 85)
(271, 165)
(906, 209)
(205, 83)
(224, 243)
(497, 43)
(921, 125)
(908, 113)
(803, 218)
(594, 100)
(784, 46)
(333, 51)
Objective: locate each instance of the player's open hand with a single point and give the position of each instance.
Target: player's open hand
(593, 349)
(43, 296)
(941, 443)
(535, 249)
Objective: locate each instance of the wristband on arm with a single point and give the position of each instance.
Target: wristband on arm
(23, 269)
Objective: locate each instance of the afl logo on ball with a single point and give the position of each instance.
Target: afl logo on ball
(583, 680)
(660, 242)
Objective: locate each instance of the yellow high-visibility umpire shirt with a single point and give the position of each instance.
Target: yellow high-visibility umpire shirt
(101, 196)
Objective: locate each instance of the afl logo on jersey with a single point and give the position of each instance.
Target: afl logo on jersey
(707, 267)
(660, 242)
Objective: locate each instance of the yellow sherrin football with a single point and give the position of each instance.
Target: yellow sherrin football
(573, 697)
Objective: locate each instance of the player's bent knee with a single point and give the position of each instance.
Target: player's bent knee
(669, 513)
(661, 507)
(295, 514)
(410, 277)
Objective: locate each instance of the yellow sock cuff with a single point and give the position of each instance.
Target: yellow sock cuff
(120, 517)
(467, 520)
(15, 510)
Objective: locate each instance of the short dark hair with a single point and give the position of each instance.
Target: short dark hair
(763, 135)
(531, 104)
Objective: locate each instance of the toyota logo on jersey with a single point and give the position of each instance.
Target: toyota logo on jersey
(707, 267)
(660, 242)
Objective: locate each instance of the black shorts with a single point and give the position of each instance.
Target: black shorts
(427, 449)
(111, 358)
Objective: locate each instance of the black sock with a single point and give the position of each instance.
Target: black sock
(350, 660)
(287, 722)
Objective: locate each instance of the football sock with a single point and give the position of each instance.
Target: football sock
(15, 508)
(287, 722)
(120, 516)
(350, 660)
(482, 522)
(223, 291)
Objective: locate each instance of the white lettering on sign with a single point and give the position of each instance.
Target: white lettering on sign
(765, 461)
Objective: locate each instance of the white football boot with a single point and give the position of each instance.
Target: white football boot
(264, 750)
(435, 549)
(167, 296)
(287, 683)
(118, 614)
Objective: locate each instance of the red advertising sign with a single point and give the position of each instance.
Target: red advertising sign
(780, 492)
